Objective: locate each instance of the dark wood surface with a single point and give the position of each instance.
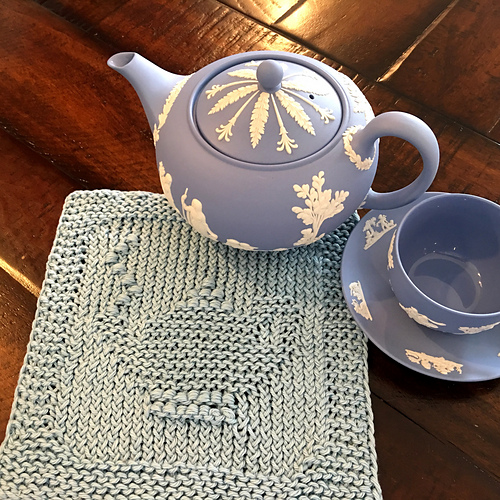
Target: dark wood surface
(69, 122)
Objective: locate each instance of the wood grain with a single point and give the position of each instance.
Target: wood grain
(267, 12)
(62, 101)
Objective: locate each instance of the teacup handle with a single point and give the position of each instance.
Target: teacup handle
(416, 132)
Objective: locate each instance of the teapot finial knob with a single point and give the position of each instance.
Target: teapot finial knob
(269, 75)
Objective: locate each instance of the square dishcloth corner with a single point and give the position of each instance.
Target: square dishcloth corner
(162, 364)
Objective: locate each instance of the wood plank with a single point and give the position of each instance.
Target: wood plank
(17, 310)
(62, 100)
(462, 414)
(366, 35)
(414, 465)
(214, 29)
(33, 193)
(455, 69)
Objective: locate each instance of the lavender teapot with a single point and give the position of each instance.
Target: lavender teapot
(269, 150)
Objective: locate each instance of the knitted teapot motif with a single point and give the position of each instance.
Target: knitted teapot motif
(269, 150)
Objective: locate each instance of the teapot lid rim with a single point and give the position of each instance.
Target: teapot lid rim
(258, 122)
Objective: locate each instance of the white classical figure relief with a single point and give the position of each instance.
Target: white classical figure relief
(319, 206)
(194, 215)
(358, 301)
(440, 364)
(390, 258)
(375, 228)
(166, 184)
(349, 151)
(478, 329)
(422, 319)
(246, 89)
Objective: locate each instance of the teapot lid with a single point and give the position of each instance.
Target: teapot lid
(268, 112)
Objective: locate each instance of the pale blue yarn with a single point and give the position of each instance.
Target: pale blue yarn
(163, 365)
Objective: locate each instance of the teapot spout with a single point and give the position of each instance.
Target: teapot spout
(151, 83)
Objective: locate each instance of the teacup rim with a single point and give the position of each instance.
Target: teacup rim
(396, 256)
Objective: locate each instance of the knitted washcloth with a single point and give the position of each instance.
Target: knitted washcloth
(164, 365)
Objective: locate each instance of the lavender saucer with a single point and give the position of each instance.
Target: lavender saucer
(365, 283)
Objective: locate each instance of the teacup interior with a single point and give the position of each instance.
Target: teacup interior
(450, 248)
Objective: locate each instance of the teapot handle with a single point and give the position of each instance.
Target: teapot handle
(416, 132)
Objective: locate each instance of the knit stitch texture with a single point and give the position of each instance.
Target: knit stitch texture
(164, 365)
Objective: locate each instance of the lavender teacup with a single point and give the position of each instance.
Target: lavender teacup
(444, 263)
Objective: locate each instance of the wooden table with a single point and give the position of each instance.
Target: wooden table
(69, 122)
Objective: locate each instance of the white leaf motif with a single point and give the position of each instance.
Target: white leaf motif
(162, 117)
(232, 97)
(225, 131)
(478, 329)
(238, 244)
(440, 364)
(306, 87)
(296, 111)
(259, 118)
(219, 88)
(251, 74)
(285, 142)
(349, 151)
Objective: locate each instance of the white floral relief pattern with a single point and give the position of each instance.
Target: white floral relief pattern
(162, 118)
(360, 103)
(349, 151)
(291, 102)
(440, 364)
(319, 207)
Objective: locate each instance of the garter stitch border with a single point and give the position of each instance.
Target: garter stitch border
(163, 365)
